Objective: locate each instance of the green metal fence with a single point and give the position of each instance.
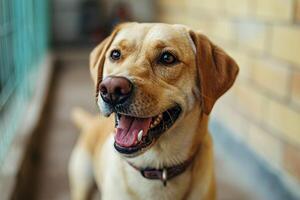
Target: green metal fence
(23, 44)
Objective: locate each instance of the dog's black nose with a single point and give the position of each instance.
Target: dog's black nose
(115, 89)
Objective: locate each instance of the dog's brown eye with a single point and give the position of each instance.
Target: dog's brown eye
(167, 58)
(115, 54)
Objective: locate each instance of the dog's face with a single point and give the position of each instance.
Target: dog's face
(152, 75)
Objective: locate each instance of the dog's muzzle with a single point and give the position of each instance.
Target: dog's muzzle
(134, 133)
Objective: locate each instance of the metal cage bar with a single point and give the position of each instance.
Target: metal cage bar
(23, 44)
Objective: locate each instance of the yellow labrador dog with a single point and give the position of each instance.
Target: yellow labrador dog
(158, 83)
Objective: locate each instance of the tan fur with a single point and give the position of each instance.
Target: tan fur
(203, 74)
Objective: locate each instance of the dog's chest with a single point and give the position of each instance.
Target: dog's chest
(121, 181)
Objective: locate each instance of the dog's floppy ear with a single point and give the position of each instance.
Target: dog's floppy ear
(97, 58)
(217, 71)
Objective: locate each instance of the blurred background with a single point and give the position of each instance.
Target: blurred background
(44, 49)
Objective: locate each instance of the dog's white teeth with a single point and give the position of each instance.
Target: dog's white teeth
(156, 121)
(140, 135)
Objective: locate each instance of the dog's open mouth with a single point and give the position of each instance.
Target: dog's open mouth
(134, 135)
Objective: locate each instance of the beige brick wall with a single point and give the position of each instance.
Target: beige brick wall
(264, 38)
(285, 43)
(296, 88)
(274, 10)
(297, 14)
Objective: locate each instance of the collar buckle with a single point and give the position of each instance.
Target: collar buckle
(156, 174)
(151, 173)
(164, 176)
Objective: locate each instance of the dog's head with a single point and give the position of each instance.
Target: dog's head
(152, 75)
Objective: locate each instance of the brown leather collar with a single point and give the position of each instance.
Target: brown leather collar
(166, 173)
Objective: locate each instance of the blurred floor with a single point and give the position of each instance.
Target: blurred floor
(72, 87)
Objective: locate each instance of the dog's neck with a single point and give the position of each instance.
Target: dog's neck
(176, 145)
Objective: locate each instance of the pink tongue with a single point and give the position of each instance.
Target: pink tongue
(128, 129)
